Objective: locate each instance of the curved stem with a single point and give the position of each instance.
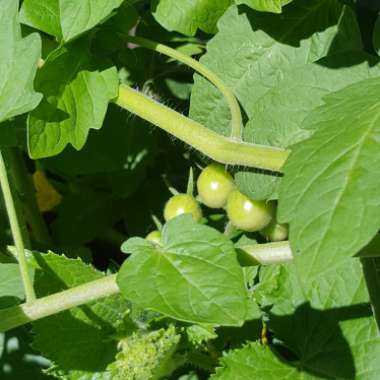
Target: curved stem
(236, 119)
(91, 291)
(16, 232)
(213, 145)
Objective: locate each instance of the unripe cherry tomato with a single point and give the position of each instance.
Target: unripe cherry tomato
(214, 185)
(154, 236)
(248, 214)
(182, 204)
(275, 232)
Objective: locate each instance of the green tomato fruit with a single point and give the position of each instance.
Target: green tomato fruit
(182, 204)
(275, 232)
(214, 186)
(248, 214)
(154, 236)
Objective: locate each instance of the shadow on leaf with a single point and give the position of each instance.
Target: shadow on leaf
(316, 339)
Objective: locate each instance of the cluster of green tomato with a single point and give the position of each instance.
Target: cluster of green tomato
(216, 189)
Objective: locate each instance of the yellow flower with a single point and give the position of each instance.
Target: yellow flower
(47, 196)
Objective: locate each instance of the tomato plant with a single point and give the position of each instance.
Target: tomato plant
(180, 204)
(154, 236)
(248, 214)
(275, 231)
(266, 267)
(214, 185)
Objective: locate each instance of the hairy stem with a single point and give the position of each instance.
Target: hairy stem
(16, 232)
(19, 315)
(236, 119)
(213, 145)
(26, 193)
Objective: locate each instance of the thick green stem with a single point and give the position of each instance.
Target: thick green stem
(16, 231)
(19, 315)
(26, 193)
(265, 254)
(272, 253)
(236, 119)
(213, 145)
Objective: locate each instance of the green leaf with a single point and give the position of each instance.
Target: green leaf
(326, 321)
(42, 15)
(18, 65)
(190, 15)
(75, 101)
(11, 284)
(194, 276)
(78, 17)
(82, 344)
(329, 194)
(204, 15)
(273, 44)
(274, 6)
(255, 361)
(274, 121)
(66, 19)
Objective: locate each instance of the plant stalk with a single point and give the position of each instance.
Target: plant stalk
(265, 254)
(28, 312)
(16, 232)
(17, 201)
(272, 253)
(26, 193)
(213, 145)
(236, 119)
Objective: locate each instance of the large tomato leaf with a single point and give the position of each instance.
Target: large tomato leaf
(329, 194)
(66, 19)
(76, 100)
(18, 65)
(277, 117)
(194, 276)
(252, 52)
(274, 6)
